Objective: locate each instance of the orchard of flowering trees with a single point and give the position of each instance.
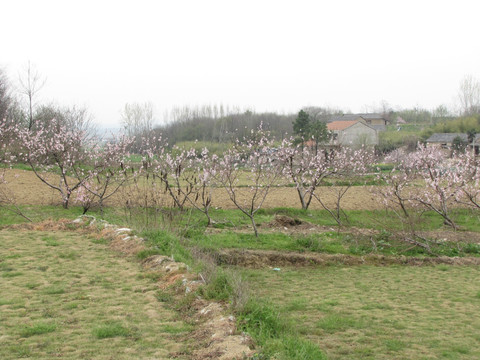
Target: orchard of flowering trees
(90, 171)
(65, 160)
(428, 180)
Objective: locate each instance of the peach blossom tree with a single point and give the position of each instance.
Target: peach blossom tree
(305, 168)
(108, 170)
(254, 159)
(345, 167)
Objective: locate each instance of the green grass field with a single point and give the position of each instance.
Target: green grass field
(365, 312)
(61, 292)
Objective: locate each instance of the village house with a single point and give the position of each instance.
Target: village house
(375, 121)
(354, 133)
(446, 141)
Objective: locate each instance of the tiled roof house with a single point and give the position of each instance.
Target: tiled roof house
(352, 133)
(376, 121)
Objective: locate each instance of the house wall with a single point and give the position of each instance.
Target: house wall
(357, 135)
(377, 122)
(447, 144)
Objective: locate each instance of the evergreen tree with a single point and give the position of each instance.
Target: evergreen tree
(318, 132)
(301, 125)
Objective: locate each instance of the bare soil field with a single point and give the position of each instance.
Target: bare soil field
(27, 189)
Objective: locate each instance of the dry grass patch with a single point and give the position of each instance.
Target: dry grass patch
(72, 297)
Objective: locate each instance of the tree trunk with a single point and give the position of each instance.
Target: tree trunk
(254, 225)
(302, 199)
(66, 198)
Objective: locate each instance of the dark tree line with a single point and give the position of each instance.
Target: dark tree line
(227, 127)
(224, 123)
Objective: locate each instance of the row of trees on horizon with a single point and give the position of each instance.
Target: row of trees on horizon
(217, 123)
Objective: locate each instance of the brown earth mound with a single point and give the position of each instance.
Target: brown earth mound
(285, 221)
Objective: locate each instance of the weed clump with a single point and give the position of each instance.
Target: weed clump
(37, 329)
(110, 330)
(275, 334)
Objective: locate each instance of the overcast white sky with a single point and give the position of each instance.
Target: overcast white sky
(269, 55)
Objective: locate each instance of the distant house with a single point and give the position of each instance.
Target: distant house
(352, 133)
(376, 121)
(445, 140)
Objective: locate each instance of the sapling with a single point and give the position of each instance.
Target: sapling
(347, 166)
(254, 158)
(396, 196)
(108, 172)
(303, 167)
(429, 164)
(60, 151)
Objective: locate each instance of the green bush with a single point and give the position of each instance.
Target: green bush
(472, 249)
(391, 140)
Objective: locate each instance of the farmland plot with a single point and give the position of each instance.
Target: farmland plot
(64, 295)
(368, 312)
